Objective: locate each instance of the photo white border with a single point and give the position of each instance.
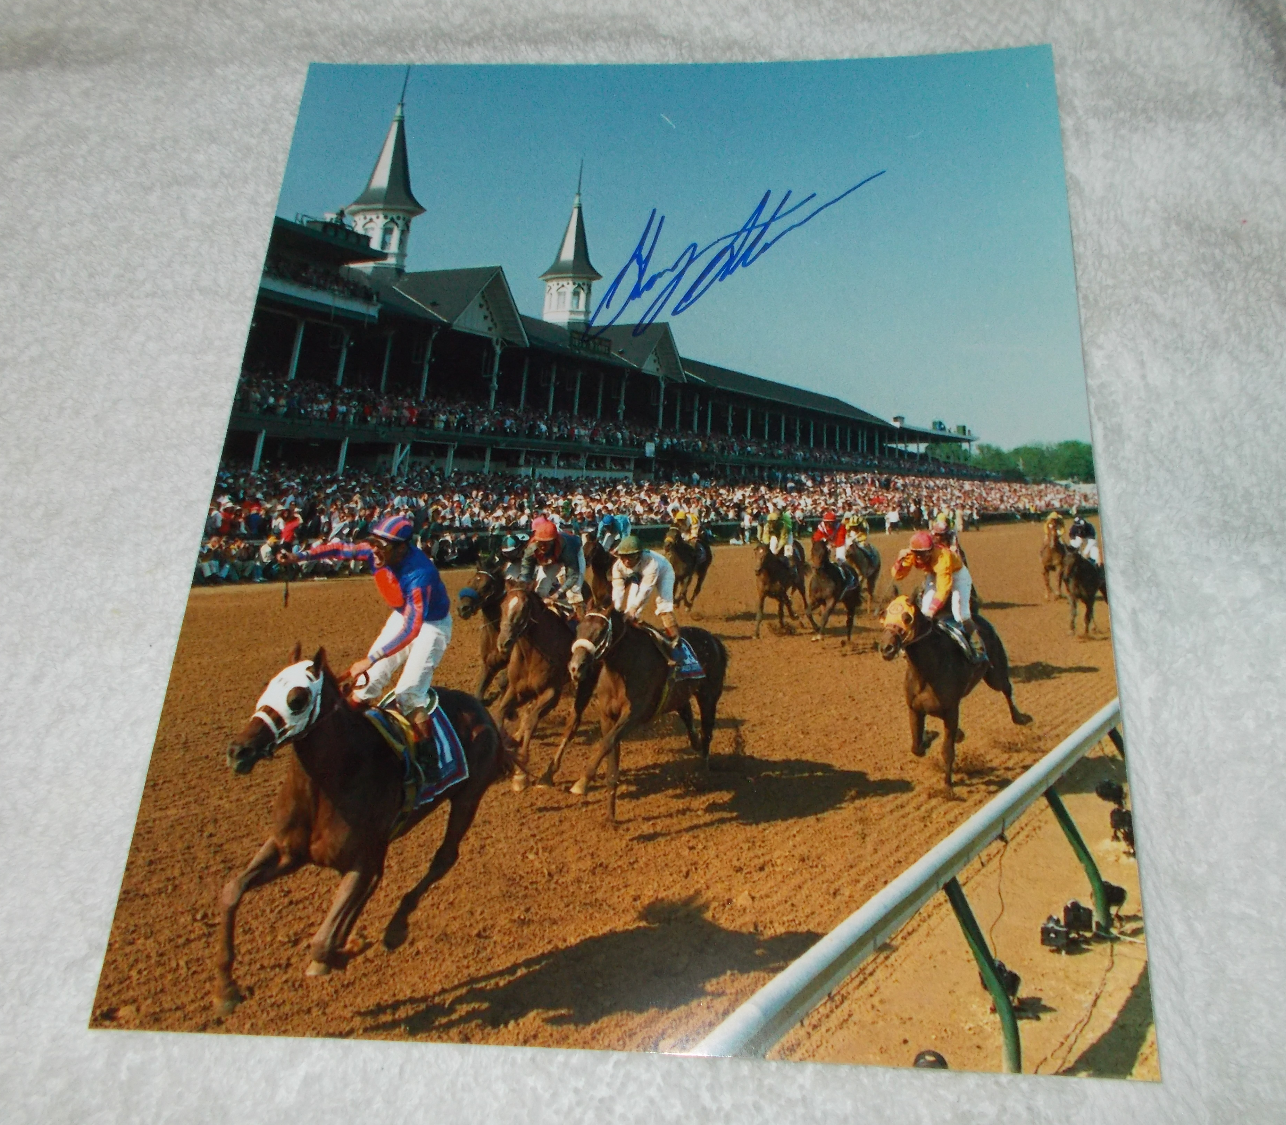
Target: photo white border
(141, 150)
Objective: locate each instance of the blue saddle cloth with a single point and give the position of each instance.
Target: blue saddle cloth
(687, 666)
(428, 772)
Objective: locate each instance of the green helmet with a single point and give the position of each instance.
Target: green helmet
(630, 545)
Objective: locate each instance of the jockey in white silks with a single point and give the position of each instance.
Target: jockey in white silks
(637, 577)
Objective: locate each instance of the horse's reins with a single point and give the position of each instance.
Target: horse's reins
(599, 650)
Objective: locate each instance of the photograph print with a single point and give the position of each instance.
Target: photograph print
(652, 595)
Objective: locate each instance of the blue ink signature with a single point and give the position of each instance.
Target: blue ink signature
(743, 247)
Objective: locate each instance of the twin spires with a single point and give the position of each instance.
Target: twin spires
(383, 212)
(569, 281)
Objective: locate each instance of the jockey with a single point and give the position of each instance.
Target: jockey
(553, 563)
(612, 529)
(417, 632)
(637, 575)
(781, 532)
(1081, 538)
(1054, 524)
(511, 548)
(944, 535)
(950, 587)
(831, 531)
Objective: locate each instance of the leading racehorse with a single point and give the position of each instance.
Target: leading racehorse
(635, 684)
(342, 802)
(689, 562)
(939, 674)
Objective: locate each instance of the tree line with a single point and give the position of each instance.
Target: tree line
(1035, 462)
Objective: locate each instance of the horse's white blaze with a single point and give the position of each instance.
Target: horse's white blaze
(581, 642)
(289, 723)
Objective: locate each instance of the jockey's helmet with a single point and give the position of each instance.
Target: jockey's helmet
(543, 530)
(921, 541)
(629, 548)
(393, 529)
(828, 516)
(510, 548)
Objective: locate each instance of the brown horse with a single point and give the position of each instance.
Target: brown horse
(939, 674)
(341, 801)
(1053, 553)
(776, 579)
(635, 685)
(537, 643)
(1085, 582)
(865, 559)
(483, 594)
(689, 562)
(598, 569)
(829, 587)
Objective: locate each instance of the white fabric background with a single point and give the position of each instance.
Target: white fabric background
(141, 147)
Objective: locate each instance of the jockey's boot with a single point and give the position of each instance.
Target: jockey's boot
(975, 642)
(671, 626)
(422, 752)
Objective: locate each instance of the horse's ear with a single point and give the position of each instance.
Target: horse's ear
(319, 661)
(294, 654)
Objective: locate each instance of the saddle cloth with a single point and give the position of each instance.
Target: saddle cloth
(952, 628)
(428, 771)
(849, 575)
(686, 664)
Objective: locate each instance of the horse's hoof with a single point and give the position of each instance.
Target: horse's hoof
(396, 932)
(545, 780)
(227, 1003)
(317, 969)
(960, 735)
(1020, 719)
(578, 789)
(921, 750)
(817, 640)
(518, 782)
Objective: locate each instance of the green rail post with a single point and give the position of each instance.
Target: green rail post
(987, 966)
(1102, 916)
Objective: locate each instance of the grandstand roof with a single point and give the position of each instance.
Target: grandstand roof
(332, 243)
(573, 254)
(476, 300)
(652, 349)
(751, 385)
(572, 341)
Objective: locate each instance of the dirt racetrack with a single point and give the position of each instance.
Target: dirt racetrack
(556, 929)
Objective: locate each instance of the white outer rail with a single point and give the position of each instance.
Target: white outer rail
(753, 1029)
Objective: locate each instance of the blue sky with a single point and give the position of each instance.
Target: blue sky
(943, 289)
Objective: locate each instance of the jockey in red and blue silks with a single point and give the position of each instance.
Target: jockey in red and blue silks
(417, 632)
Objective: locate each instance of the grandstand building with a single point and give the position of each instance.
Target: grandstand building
(337, 309)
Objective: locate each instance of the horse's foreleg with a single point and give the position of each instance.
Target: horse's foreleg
(1071, 603)
(701, 580)
(918, 745)
(950, 733)
(463, 809)
(759, 613)
(267, 865)
(684, 711)
(584, 692)
(1089, 615)
(613, 778)
(354, 889)
(848, 635)
(610, 739)
(532, 713)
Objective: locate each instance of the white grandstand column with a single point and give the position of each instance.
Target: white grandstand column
(553, 378)
(522, 395)
(783, 429)
(729, 419)
(660, 405)
(294, 351)
(496, 347)
(424, 371)
(522, 458)
(598, 410)
(709, 414)
(254, 463)
(796, 429)
(749, 416)
(343, 456)
(620, 406)
(576, 393)
(486, 460)
(811, 432)
(766, 421)
(450, 465)
(848, 439)
(343, 358)
(388, 354)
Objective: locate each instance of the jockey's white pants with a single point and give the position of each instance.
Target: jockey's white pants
(961, 588)
(416, 663)
(609, 540)
(1087, 548)
(776, 545)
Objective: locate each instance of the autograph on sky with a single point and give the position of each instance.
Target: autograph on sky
(743, 247)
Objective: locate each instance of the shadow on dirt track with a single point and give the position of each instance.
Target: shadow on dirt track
(665, 961)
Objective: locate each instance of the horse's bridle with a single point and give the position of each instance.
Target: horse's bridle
(283, 723)
(599, 650)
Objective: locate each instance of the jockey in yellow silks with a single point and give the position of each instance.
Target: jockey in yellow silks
(950, 586)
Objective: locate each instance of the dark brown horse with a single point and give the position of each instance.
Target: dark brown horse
(865, 559)
(1053, 553)
(776, 579)
(1085, 582)
(341, 802)
(689, 562)
(598, 569)
(634, 686)
(939, 674)
(830, 587)
(483, 594)
(537, 643)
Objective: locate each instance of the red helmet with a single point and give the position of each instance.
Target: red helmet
(828, 516)
(543, 530)
(922, 541)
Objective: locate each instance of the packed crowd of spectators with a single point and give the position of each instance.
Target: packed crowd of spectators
(262, 393)
(316, 277)
(254, 517)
